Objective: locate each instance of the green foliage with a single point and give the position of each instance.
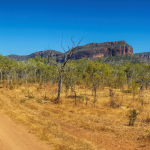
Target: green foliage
(81, 97)
(70, 76)
(120, 60)
(132, 117)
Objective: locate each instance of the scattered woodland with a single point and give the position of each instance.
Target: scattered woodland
(88, 73)
(79, 104)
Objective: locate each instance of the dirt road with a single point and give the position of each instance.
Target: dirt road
(16, 137)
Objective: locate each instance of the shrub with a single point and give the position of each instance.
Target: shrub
(39, 101)
(30, 95)
(46, 98)
(113, 99)
(147, 120)
(23, 91)
(12, 87)
(113, 104)
(80, 97)
(132, 117)
(22, 100)
(126, 91)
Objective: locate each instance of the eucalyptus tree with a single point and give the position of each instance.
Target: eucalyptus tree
(97, 71)
(142, 76)
(19, 71)
(1, 68)
(61, 66)
(47, 73)
(86, 81)
(40, 66)
(8, 67)
(12, 73)
(26, 70)
(129, 72)
(114, 71)
(121, 77)
(147, 76)
(81, 74)
(34, 67)
(70, 78)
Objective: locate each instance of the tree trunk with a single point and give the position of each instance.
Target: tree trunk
(8, 81)
(17, 78)
(26, 82)
(86, 99)
(1, 79)
(40, 77)
(45, 87)
(74, 94)
(35, 76)
(59, 86)
(94, 96)
(92, 91)
(142, 93)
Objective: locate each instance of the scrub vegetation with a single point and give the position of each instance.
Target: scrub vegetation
(100, 106)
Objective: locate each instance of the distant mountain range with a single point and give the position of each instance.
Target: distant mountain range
(92, 50)
(112, 52)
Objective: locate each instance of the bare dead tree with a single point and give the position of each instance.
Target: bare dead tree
(61, 67)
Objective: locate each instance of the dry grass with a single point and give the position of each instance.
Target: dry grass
(82, 127)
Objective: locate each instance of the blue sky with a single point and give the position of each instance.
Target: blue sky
(27, 26)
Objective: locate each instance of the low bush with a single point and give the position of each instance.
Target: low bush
(12, 87)
(126, 91)
(132, 117)
(22, 100)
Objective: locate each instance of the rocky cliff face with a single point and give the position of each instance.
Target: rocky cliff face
(92, 50)
(144, 56)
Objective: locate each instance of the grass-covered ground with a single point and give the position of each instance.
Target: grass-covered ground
(66, 126)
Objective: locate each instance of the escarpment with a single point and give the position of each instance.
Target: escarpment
(92, 50)
(95, 50)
